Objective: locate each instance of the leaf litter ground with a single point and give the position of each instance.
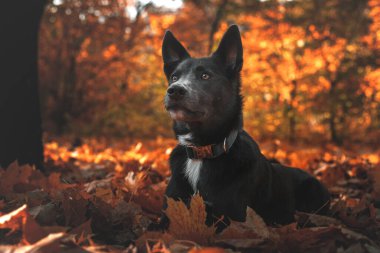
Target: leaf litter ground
(101, 198)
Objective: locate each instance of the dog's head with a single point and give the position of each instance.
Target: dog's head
(203, 91)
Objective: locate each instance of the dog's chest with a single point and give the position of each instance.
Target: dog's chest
(192, 172)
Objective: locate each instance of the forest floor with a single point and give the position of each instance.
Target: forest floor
(98, 197)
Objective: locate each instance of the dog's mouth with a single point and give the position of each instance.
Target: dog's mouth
(180, 113)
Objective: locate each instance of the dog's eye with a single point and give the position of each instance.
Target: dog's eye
(205, 76)
(174, 78)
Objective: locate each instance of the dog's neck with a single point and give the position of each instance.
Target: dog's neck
(198, 135)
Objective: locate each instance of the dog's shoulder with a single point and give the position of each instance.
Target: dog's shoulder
(248, 149)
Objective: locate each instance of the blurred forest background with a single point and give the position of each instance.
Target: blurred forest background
(311, 68)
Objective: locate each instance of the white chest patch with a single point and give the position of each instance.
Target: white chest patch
(192, 171)
(184, 139)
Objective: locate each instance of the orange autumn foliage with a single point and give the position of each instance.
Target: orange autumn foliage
(302, 78)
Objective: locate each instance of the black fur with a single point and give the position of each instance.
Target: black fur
(208, 109)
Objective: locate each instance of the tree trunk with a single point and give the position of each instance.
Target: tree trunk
(215, 24)
(332, 125)
(292, 112)
(335, 137)
(20, 119)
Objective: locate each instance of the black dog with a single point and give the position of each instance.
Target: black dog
(215, 156)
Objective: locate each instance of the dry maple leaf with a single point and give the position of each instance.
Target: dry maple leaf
(189, 223)
(13, 175)
(251, 234)
(253, 227)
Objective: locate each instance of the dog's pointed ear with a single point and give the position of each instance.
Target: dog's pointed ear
(172, 52)
(230, 50)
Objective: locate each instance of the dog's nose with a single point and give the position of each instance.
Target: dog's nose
(176, 92)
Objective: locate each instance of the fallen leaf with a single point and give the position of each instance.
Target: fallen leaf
(74, 207)
(207, 250)
(55, 183)
(2, 204)
(308, 239)
(189, 223)
(375, 175)
(13, 175)
(150, 236)
(32, 231)
(253, 227)
(305, 219)
(82, 232)
(14, 219)
(50, 243)
(46, 215)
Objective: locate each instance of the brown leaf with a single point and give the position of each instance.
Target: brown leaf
(355, 248)
(350, 234)
(21, 219)
(253, 233)
(362, 215)
(189, 223)
(158, 247)
(74, 207)
(151, 197)
(55, 183)
(93, 185)
(32, 231)
(149, 236)
(375, 175)
(46, 215)
(2, 204)
(207, 250)
(48, 244)
(13, 175)
(308, 239)
(305, 219)
(253, 227)
(82, 232)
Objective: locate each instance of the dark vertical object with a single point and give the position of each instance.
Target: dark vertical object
(332, 117)
(292, 113)
(215, 24)
(20, 119)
